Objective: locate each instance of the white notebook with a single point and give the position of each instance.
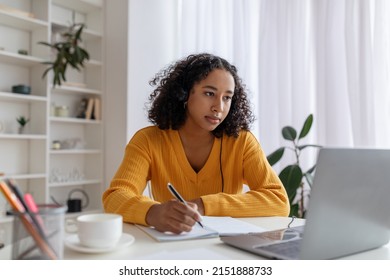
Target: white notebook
(213, 227)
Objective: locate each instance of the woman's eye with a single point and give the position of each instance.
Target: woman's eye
(227, 98)
(209, 93)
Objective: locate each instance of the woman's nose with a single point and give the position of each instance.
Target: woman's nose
(217, 106)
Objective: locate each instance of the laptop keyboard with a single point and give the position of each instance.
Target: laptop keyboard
(289, 249)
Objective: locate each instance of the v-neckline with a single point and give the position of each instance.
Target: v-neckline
(185, 164)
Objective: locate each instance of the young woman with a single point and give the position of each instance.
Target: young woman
(201, 144)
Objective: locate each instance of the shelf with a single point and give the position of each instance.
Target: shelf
(80, 5)
(74, 183)
(6, 219)
(88, 34)
(75, 214)
(18, 59)
(26, 98)
(24, 176)
(75, 151)
(23, 136)
(21, 22)
(29, 157)
(74, 120)
(76, 90)
(9, 219)
(93, 63)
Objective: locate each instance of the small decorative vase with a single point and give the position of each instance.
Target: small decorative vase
(21, 129)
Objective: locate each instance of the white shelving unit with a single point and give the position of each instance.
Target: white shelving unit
(29, 158)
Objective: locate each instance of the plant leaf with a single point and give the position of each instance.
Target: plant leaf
(311, 169)
(291, 177)
(275, 156)
(305, 146)
(78, 54)
(46, 71)
(78, 33)
(309, 179)
(306, 126)
(68, 53)
(56, 79)
(294, 210)
(289, 133)
(85, 54)
(46, 44)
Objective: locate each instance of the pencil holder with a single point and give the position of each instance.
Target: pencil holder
(39, 235)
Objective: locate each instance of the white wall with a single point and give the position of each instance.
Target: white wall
(130, 48)
(116, 72)
(151, 48)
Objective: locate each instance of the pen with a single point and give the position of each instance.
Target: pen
(29, 200)
(27, 209)
(31, 209)
(178, 196)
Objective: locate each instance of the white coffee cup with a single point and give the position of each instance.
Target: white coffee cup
(99, 230)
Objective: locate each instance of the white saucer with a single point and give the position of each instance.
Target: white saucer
(73, 242)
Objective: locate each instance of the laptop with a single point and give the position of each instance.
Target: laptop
(349, 210)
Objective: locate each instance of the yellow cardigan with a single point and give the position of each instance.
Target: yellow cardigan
(158, 156)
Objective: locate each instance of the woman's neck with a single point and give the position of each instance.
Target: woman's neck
(197, 147)
(192, 138)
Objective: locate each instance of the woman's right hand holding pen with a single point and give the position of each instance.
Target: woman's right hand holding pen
(173, 216)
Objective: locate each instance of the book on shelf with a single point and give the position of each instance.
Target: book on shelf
(89, 110)
(97, 109)
(213, 227)
(92, 108)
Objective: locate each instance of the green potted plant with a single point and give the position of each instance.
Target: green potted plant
(69, 52)
(22, 121)
(292, 176)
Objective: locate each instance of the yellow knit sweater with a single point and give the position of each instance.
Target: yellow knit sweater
(158, 156)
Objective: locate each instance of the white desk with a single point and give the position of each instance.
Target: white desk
(146, 248)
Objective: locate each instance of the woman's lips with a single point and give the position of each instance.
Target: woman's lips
(213, 120)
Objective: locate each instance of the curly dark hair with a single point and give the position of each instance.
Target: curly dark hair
(174, 84)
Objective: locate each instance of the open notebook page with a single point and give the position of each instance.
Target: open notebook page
(213, 227)
(229, 226)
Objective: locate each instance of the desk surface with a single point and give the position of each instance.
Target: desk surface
(146, 248)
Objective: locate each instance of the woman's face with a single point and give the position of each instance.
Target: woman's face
(210, 100)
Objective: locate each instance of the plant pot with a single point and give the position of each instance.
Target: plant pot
(21, 130)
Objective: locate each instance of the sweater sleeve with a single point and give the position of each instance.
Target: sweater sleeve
(124, 196)
(266, 196)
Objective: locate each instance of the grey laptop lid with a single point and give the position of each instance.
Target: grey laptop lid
(349, 209)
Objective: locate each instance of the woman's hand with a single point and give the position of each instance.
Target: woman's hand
(199, 204)
(173, 216)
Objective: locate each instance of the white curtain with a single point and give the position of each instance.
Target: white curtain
(352, 63)
(326, 57)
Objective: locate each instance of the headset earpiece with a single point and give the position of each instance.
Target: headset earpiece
(182, 95)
